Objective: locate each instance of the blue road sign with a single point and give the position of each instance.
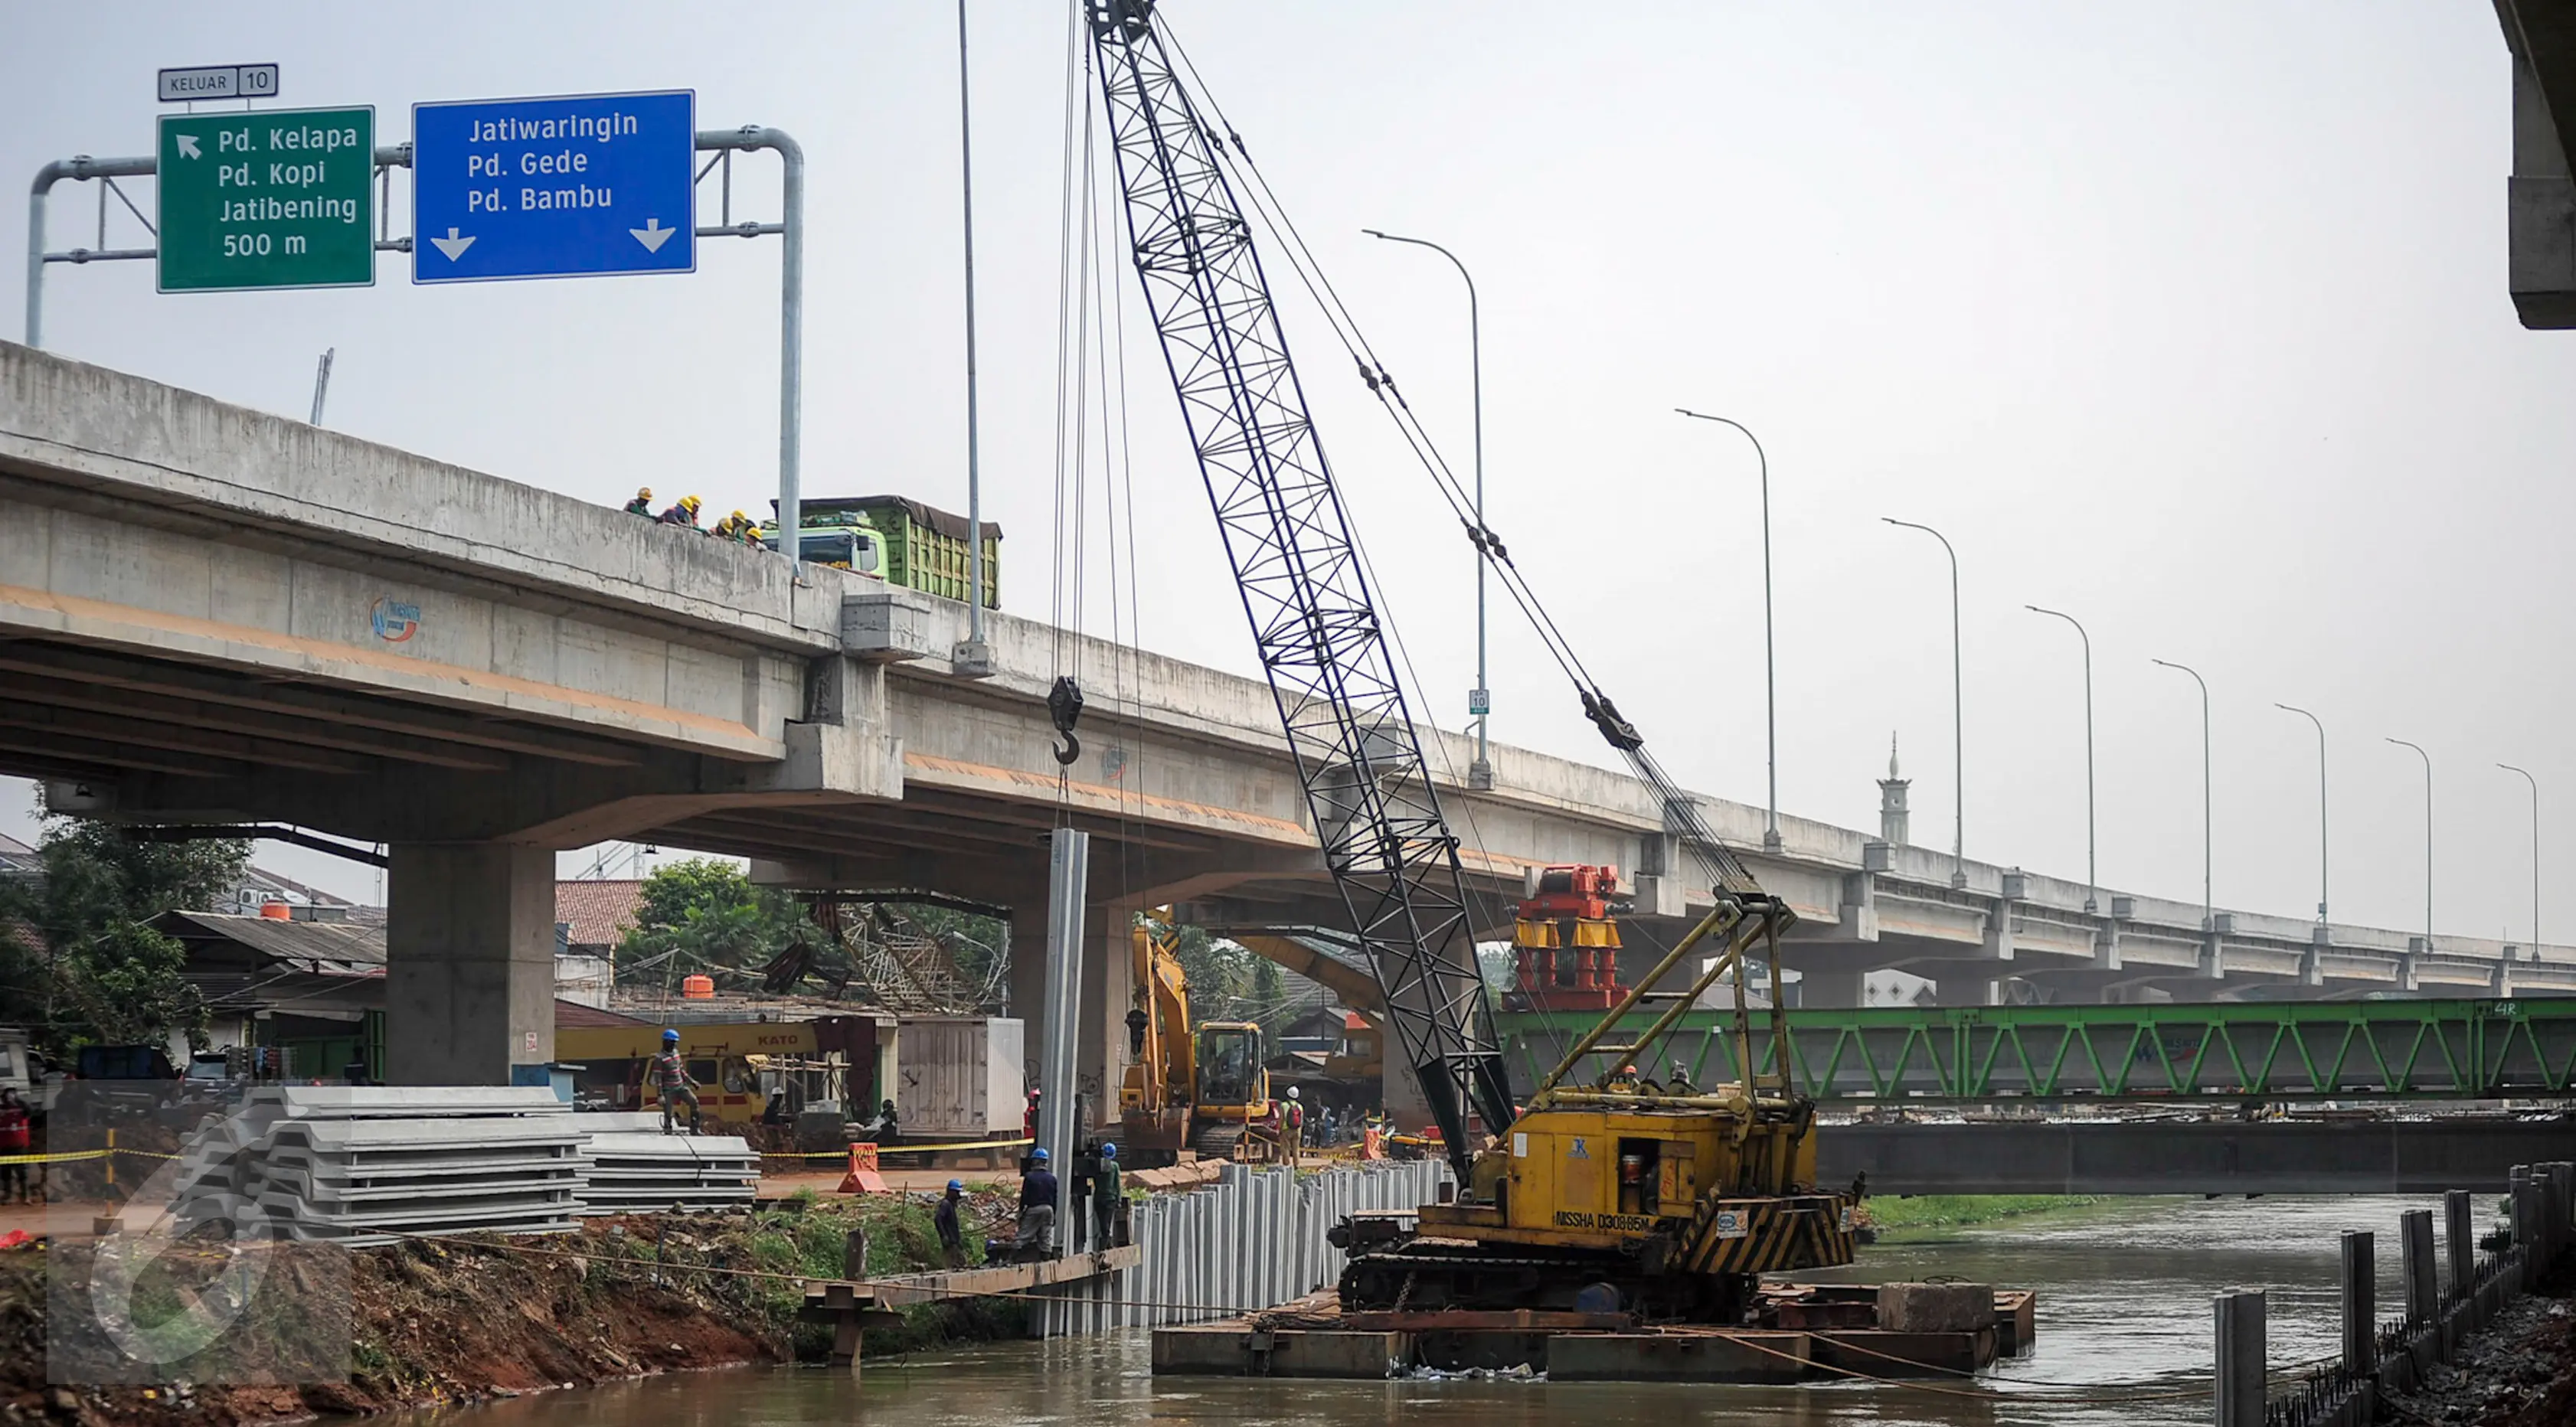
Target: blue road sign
(575, 186)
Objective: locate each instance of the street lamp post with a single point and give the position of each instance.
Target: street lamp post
(1480, 774)
(2208, 902)
(2321, 804)
(1770, 671)
(2535, 855)
(2428, 836)
(1958, 733)
(2092, 871)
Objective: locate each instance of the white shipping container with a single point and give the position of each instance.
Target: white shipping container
(960, 1076)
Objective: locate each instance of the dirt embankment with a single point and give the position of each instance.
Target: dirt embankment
(447, 1321)
(2521, 1372)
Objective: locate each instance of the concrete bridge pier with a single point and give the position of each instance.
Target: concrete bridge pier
(469, 962)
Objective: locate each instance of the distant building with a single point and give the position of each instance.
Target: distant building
(313, 985)
(591, 918)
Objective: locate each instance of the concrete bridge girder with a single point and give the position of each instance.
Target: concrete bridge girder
(289, 623)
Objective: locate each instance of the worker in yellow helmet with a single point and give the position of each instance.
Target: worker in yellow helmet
(683, 513)
(643, 502)
(741, 531)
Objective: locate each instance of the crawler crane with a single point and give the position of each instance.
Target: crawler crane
(1667, 1199)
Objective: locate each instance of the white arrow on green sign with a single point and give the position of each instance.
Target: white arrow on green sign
(268, 199)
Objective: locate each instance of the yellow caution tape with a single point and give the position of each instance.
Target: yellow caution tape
(894, 1150)
(59, 1158)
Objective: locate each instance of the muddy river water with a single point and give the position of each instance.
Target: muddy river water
(2124, 1308)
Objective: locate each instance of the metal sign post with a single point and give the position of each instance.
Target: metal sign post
(723, 143)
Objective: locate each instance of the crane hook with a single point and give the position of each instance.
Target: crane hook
(1064, 706)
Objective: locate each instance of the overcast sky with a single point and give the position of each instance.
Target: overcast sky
(2187, 319)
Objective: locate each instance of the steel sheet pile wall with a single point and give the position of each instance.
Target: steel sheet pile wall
(1254, 1239)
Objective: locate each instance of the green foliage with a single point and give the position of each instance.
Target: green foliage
(703, 915)
(95, 970)
(1932, 1211)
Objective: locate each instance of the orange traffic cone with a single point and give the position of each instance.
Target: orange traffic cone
(863, 1177)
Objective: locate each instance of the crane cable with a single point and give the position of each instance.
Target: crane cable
(1075, 226)
(1717, 863)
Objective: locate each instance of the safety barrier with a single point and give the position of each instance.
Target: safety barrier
(1252, 1239)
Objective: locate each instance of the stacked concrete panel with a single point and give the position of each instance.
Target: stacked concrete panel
(365, 1164)
(630, 1166)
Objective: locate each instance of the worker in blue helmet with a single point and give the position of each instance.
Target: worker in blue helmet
(952, 1235)
(1037, 1209)
(671, 1077)
(1106, 1198)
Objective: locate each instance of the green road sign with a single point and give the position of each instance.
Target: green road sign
(269, 198)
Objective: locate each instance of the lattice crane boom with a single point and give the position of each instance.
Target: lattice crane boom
(1322, 646)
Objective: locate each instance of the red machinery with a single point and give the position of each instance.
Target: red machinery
(1565, 942)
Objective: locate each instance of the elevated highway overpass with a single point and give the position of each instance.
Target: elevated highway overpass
(214, 615)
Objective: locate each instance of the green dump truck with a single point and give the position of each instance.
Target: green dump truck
(896, 539)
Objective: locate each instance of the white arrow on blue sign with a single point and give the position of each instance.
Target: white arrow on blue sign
(577, 186)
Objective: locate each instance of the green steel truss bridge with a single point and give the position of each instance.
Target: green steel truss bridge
(2151, 1054)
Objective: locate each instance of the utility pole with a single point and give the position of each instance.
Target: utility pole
(1770, 669)
(1480, 700)
(2208, 902)
(974, 658)
(1958, 705)
(2321, 805)
(2428, 836)
(2535, 855)
(2092, 870)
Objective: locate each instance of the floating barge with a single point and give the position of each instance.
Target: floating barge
(1800, 1333)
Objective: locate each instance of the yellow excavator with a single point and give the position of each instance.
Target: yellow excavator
(1201, 1089)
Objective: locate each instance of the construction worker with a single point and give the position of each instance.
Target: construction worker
(671, 1075)
(952, 1235)
(1077, 1198)
(642, 504)
(1294, 1122)
(741, 528)
(683, 512)
(1105, 1198)
(14, 1142)
(1037, 1208)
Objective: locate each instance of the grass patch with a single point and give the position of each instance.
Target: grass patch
(1944, 1211)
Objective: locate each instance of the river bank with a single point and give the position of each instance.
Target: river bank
(1951, 1211)
(469, 1319)
(2521, 1372)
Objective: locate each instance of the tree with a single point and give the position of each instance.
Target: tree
(707, 916)
(77, 946)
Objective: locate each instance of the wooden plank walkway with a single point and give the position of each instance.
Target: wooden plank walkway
(852, 1306)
